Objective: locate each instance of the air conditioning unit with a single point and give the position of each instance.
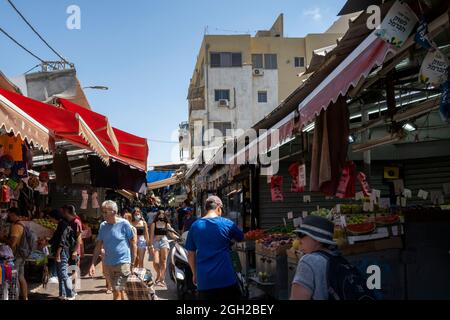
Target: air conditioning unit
(258, 72)
(224, 103)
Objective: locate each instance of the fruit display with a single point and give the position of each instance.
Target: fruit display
(386, 220)
(296, 244)
(322, 212)
(351, 208)
(281, 229)
(255, 235)
(46, 223)
(356, 218)
(276, 241)
(263, 276)
(361, 229)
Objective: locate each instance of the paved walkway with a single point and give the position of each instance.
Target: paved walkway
(95, 288)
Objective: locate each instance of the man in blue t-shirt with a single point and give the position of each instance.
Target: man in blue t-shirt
(116, 236)
(208, 246)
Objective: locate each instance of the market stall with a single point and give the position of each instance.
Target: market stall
(364, 143)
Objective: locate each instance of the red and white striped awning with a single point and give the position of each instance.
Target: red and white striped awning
(356, 66)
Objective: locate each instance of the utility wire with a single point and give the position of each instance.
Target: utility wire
(35, 31)
(20, 45)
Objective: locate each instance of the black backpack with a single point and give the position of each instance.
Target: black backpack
(69, 239)
(345, 282)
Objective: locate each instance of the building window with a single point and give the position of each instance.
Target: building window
(257, 61)
(270, 61)
(226, 59)
(223, 127)
(221, 95)
(299, 62)
(262, 96)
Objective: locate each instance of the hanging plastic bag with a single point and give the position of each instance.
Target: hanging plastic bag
(362, 178)
(84, 202)
(276, 188)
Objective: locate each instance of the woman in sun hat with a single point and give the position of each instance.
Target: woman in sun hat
(310, 281)
(322, 273)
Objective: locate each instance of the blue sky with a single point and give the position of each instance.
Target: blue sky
(144, 50)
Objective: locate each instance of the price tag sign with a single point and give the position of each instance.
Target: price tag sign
(407, 193)
(338, 208)
(290, 215)
(423, 194)
(359, 195)
(304, 214)
(298, 222)
(306, 199)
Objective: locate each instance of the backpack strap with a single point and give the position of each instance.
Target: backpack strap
(332, 295)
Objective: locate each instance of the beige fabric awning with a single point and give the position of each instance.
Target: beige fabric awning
(13, 119)
(163, 183)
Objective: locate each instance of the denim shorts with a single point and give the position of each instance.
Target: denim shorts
(162, 243)
(141, 243)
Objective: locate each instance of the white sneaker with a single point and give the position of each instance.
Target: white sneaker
(53, 280)
(71, 298)
(61, 298)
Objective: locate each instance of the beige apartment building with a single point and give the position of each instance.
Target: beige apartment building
(239, 79)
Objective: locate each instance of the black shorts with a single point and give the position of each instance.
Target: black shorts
(231, 293)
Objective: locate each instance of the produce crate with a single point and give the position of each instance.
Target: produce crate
(248, 245)
(280, 251)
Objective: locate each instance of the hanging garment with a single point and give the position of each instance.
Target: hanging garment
(325, 160)
(95, 204)
(338, 131)
(276, 188)
(316, 153)
(62, 169)
(12, 146)
(84, 202)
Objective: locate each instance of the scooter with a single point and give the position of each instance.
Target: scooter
(180, 271)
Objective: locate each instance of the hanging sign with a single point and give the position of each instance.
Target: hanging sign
(423, 194)
(276, 188)
(302, 176)
(294, 172)
(421, 37)
(444, 107)
(398, 24)
(434, 69)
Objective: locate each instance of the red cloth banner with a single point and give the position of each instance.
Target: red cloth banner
(276, 188)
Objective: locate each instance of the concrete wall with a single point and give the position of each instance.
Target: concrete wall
(239, 82)
(268, 82)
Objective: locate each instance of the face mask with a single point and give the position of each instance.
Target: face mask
(161, 219)
(137, 218)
